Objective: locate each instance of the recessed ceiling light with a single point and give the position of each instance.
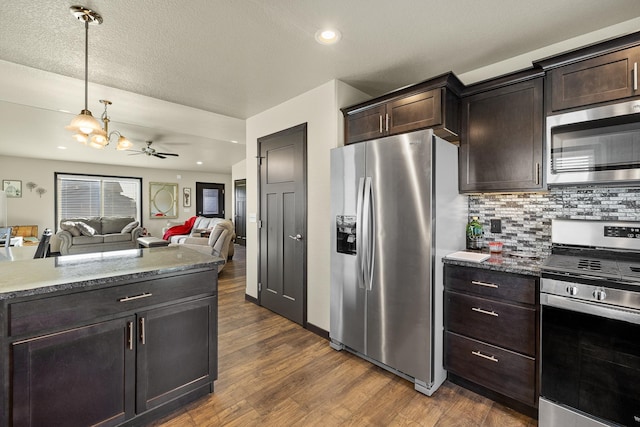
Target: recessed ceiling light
(60, 147)
(328, 36)
(235, 142)
(198, 163)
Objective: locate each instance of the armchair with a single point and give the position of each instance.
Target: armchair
(217, 244)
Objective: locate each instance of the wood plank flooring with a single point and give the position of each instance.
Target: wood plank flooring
(273, 372)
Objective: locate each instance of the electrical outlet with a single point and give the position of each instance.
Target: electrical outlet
(496, 226)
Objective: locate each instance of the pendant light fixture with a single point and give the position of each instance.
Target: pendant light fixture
(87, 129)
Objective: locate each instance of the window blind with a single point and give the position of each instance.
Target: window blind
(95, 196)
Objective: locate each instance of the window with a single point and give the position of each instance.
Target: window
(94, 195)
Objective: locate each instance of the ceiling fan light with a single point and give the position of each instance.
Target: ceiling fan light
(124, 144)
(84, 122)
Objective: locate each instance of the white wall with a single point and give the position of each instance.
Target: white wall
(31, 209)
(524, 61)
(320, 109)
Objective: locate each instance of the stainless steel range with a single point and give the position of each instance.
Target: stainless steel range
(590, 335)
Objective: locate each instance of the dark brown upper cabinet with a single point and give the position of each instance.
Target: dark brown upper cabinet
(601, 73)
(431, 104)
(501, 145)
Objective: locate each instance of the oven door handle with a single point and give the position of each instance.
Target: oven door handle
(586, 307)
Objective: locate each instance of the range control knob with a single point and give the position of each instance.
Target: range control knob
(572, 290)
(600, 295)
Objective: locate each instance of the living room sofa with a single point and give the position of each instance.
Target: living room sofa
(97, 234)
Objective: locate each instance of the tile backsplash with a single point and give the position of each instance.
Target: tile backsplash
(526, 217)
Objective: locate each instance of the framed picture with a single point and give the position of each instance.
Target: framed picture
(12, 188)
(163, 200)
(186, 197)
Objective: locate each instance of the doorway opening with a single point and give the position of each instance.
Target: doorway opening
(210, 199)
(241, 211)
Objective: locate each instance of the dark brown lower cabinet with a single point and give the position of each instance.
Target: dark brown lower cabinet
(146, 355)
(81, 377)
(492, 334)
(167, 364)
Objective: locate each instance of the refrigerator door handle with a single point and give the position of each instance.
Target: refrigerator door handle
(359, 235)
(369, 232)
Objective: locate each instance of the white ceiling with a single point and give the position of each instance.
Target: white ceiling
(187, 74)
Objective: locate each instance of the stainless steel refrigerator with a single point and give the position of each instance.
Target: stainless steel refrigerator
(396, 212)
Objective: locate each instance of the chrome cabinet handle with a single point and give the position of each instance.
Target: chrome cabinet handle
(487, 285)
(135, 297)
(635, 76)
(142, 331)
(380, 123)
(479, 310)
(297, 237)
(537, 173)
(484, 356)
(130, 331)
(387, 122)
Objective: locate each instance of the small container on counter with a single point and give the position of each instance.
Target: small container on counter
(495, 247)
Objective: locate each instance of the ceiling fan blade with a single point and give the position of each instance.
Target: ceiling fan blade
(135, 152)
(158, 155)
(169, 154)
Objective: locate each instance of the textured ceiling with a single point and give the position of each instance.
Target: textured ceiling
(239, 58)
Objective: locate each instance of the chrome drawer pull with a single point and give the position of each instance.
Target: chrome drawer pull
(142, 331)
(143, 295)
(484, 356)
(130, 338)
(479, 310)
(488, 285)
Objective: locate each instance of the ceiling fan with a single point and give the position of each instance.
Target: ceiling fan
(152, 152)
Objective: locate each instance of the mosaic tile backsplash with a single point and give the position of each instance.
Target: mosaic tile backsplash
(526, 217)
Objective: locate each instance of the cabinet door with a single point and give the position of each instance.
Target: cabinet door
(79, 377)
(501, 146)
(366, 124)
(604, 78)
(177, 351)
(415, 112)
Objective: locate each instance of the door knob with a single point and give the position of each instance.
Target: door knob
(297, 237)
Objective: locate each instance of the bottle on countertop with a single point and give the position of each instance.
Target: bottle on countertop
(474, 234)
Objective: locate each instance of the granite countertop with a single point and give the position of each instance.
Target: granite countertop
(505, 262)
(46, 275)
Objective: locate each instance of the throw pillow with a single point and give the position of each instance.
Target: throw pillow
(85, 229)
(129, 227)
(70, 226)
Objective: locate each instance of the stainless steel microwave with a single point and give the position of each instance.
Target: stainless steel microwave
(596, 145)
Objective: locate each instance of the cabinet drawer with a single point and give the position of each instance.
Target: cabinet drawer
(495, 368)
(512, 287)
(50, 313)
(498, 323)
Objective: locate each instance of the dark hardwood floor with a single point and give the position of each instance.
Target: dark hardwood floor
(274, 373)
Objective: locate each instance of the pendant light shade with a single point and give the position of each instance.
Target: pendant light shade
(84, 122)
(124, 143)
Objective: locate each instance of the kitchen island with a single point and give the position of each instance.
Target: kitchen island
(112, 338)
